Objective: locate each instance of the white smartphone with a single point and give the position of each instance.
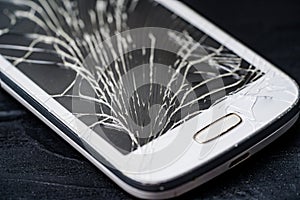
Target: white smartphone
(153, 94)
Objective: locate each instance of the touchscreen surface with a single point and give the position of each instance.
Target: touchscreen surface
(130, 70)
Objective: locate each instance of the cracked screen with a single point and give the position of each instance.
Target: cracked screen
(130, 70)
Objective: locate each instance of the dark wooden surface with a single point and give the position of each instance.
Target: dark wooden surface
(36, 163)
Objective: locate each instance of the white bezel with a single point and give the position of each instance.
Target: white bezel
(259, 105)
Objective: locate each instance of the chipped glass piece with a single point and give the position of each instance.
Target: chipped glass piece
(130, 70)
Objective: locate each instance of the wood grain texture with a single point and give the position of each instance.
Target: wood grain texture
(36, 163)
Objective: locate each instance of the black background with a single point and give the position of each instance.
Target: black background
(36, 163)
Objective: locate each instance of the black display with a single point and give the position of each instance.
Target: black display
(130, 70)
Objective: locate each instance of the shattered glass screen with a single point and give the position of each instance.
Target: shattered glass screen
(130, 70)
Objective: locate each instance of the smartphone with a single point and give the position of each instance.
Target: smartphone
(153, 94)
